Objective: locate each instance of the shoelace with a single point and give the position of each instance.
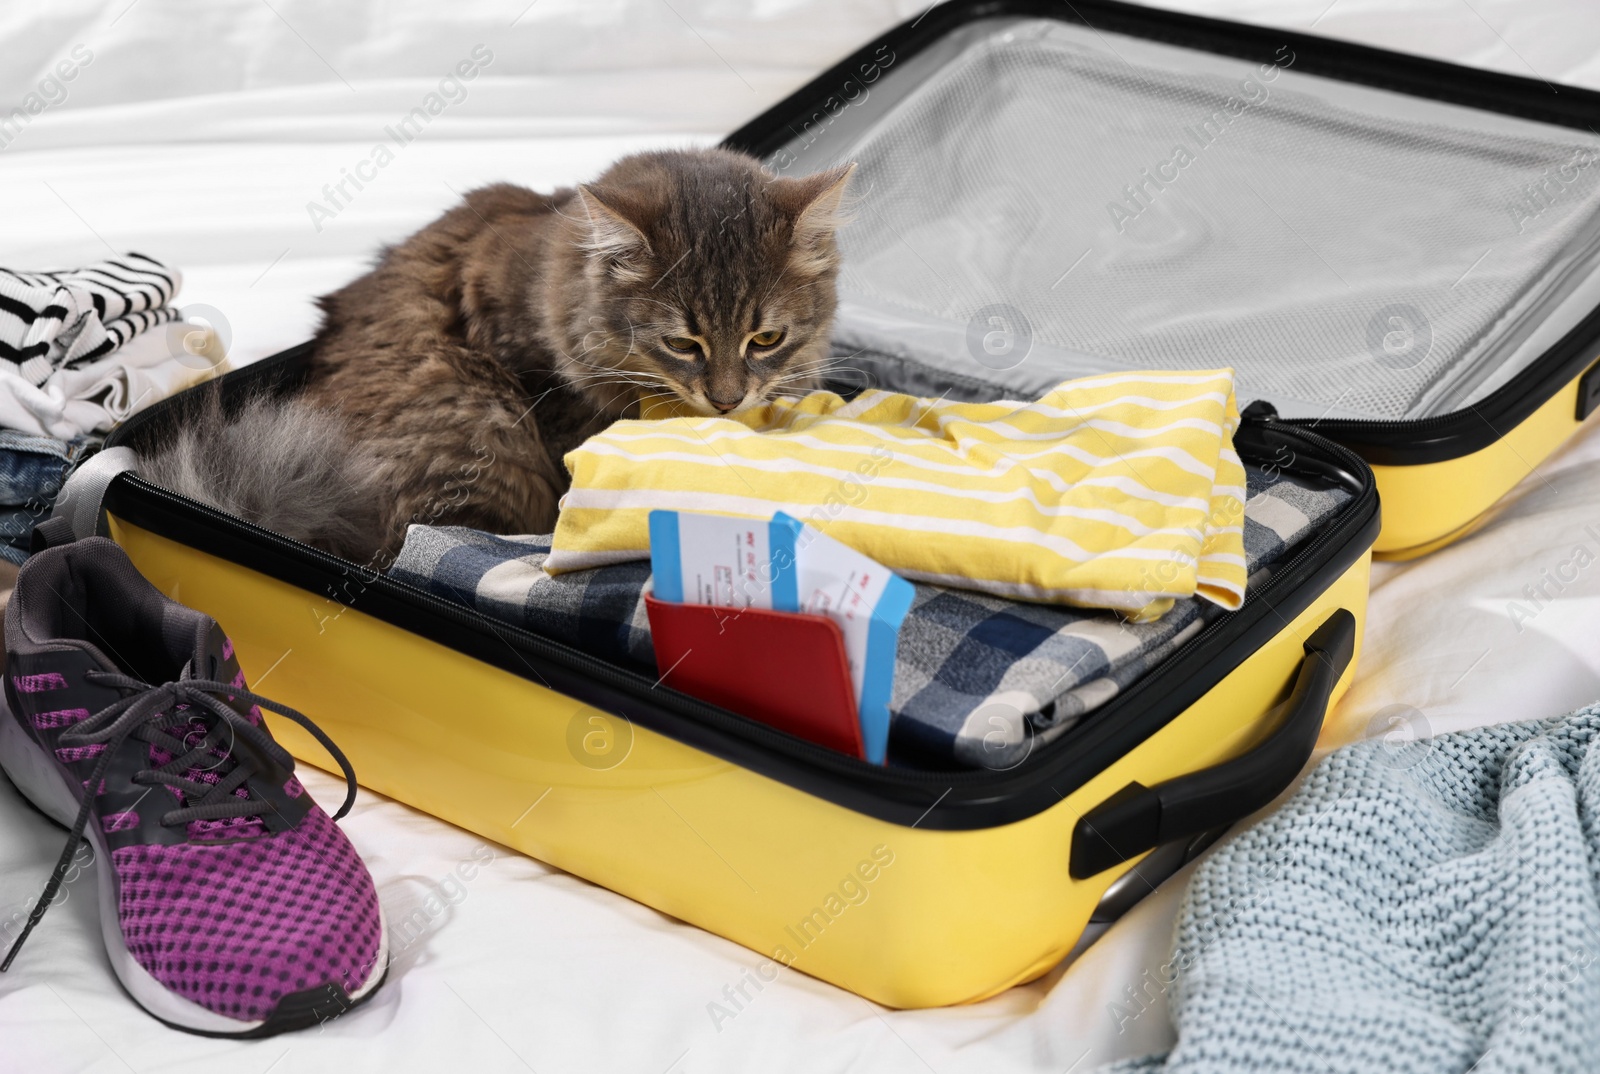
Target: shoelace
(158, 709)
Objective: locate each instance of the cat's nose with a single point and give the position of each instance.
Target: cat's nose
(724, 405)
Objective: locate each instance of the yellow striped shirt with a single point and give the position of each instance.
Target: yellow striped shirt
(1117, 491)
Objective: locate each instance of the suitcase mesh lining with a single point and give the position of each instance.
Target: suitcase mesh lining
(1345, 260)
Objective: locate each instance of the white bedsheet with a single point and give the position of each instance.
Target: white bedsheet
(199, 133)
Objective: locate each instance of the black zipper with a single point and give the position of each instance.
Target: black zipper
(1347, 61)
(1448, 436)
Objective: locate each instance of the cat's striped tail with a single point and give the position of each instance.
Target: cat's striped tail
(279, 463)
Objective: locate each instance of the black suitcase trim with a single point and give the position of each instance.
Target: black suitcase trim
(1389, 443)
(936, 799)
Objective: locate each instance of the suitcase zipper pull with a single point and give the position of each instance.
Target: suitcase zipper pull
(1259, 410)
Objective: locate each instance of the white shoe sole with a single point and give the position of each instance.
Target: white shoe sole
(43, 784)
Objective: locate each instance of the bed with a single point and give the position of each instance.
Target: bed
(223, 139)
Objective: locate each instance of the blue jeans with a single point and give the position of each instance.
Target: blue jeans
(32, 470)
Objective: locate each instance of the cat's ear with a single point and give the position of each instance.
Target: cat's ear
(817, 203)
(615, 242)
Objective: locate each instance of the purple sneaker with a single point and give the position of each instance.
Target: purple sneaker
(231, 905)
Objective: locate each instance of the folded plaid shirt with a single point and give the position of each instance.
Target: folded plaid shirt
(979, 680)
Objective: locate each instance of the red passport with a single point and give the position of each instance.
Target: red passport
(785, 669)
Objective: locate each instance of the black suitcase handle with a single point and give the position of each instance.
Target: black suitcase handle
(1139, 818)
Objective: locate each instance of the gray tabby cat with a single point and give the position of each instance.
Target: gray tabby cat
(449, 381)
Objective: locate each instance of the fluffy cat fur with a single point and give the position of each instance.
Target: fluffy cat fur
(448, 382)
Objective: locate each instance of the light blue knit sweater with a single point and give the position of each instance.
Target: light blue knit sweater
(1418, 908)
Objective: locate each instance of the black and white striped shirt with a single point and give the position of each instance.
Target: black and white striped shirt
(63, 320)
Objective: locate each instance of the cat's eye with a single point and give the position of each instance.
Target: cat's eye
(770, 338)
(681, 344)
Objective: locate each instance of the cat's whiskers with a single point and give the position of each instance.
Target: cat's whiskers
(591, 369)
(802, 373)
(622, 382)
(807, 368)
(615, 386)
(597, 369)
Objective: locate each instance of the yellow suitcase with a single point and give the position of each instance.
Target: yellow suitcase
(910, 887)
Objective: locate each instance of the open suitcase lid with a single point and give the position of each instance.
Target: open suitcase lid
(1404, 252)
